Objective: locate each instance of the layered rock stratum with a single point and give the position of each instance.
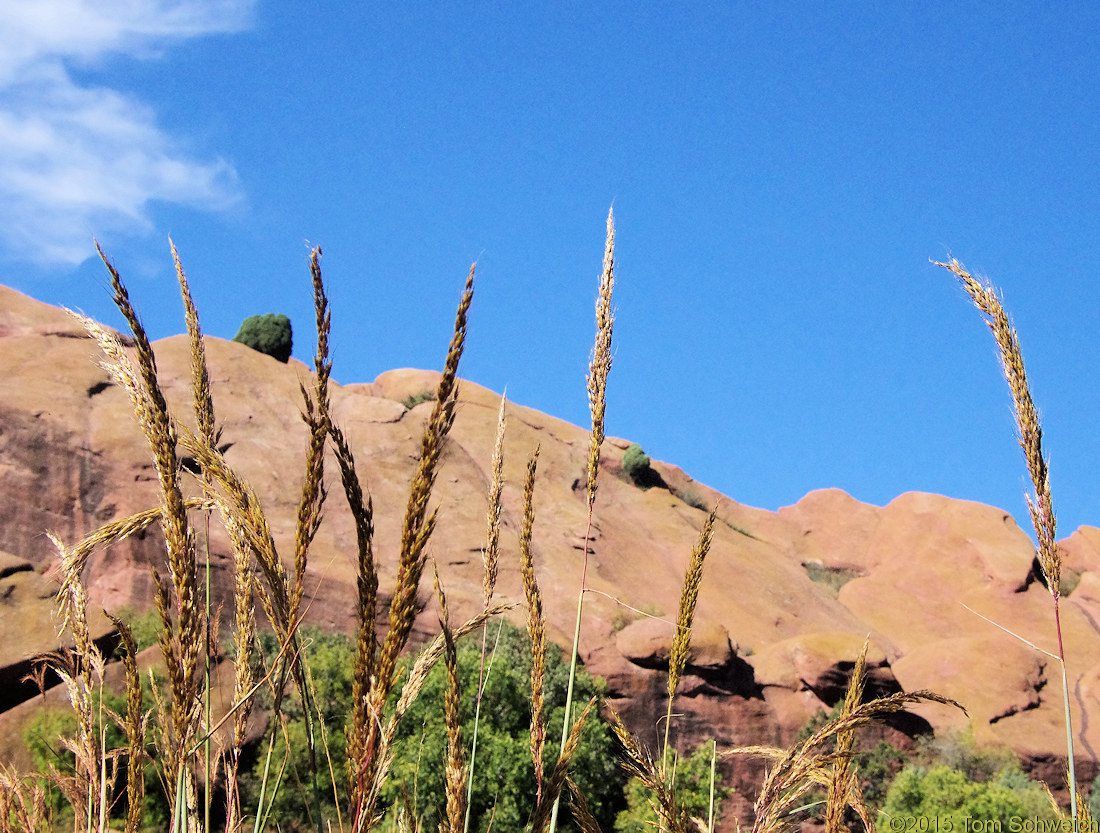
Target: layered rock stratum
(924, 578)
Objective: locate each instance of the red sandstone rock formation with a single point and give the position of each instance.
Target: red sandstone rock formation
(771, 646)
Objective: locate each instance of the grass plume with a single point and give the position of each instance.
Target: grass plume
(599, 366)
(490, 558)
(416, 530)
(536, 623)
(455, 770)
(797, 770)
(844, 790)
(681, 640)
(1040, 505)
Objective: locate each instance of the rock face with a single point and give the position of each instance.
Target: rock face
(787, 599)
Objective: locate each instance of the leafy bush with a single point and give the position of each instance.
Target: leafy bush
(956, 777)
(942, 792)
(146, 627)
(832, 577)
(270, 334)
(959, 750)
(1094, 798)
(692, 498)
(636, 464)
(504, 780)
(415, 399)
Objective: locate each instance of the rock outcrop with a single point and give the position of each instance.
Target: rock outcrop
(788, 597)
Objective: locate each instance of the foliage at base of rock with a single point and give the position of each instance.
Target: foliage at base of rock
(945, 793)
(504, 779)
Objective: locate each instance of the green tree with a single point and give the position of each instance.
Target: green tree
(1094, 798)
(269, 334)
(944, 792)
(504, 778)
(330, 657)
(636, 465)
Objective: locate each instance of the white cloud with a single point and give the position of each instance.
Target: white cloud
(77, 161)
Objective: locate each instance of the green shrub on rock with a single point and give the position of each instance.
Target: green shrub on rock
(415, 399)
(636, 464)
(269, 334)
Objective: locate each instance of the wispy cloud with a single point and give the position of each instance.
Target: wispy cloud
(77, 161)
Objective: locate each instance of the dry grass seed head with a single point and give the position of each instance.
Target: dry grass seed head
(418, 525)
(183, 648)
(200, 376)
(799, 768)
(244, 637)
(556, 781)
(105, 536)
(599, 365)
(844, 788)
(316, 418)
(640, 765)
(582, 813)
(492, 521)
(428, 658)
(76, 670)
(23, 806)
(159, 429)
(454, 769)
(240, 508)
(312, 499)
(1041, 507)
(366, 642)
(536, 623)
(689, 597)
(134, 727)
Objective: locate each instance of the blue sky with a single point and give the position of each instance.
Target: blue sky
(781, 175)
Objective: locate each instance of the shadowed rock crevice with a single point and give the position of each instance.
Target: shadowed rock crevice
(7, 570)
(18, 682)
(733, 678)
(831, 684)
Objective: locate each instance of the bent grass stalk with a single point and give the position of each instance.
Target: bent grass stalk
(844, 789)
(369, 768)
(455, 768)
(809, 764)
(183, 634)
(1040, 506)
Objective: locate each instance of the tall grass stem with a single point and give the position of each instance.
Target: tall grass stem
(598, 368)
